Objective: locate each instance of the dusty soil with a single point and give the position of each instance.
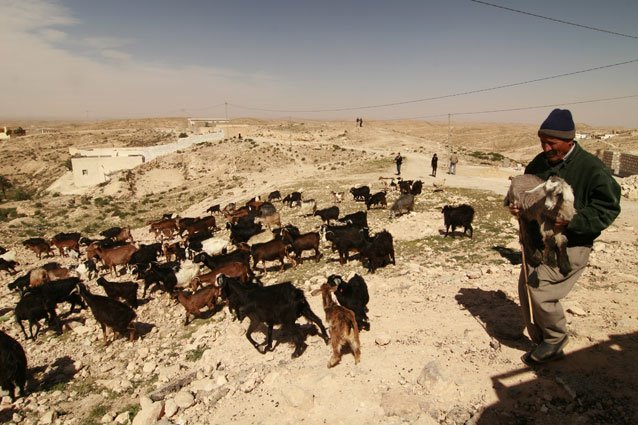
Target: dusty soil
(446, 335)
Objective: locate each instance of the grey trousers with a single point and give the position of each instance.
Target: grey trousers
(547, 286)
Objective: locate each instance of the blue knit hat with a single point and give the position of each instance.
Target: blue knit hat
(559, 124)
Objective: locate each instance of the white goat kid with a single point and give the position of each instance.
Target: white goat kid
(543, 202)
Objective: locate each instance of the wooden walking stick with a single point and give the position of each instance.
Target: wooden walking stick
(529, 293)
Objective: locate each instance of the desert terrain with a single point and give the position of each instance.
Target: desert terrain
(446, 333)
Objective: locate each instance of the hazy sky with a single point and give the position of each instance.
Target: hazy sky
(79, 59)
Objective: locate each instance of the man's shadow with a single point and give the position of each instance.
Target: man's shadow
(499, 315)
(594, 385)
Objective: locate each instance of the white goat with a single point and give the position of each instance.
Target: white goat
(543, 202)
(187, 271)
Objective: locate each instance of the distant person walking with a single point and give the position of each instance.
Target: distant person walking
(435, 162)
(454, 159)
(360, 122)
(398, 160)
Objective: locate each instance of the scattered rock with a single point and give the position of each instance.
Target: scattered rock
(184, 399)
(382, 339)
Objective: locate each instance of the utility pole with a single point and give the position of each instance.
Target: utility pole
(226, 109)
(449, 128)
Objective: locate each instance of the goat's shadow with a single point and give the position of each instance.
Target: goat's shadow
(142, 329)
(455, 233)
(513, 256)
(44, 378)
(5, 310)
(280, 336)
(207, 314)
(273, 268)
(500, 317)
(6, 415)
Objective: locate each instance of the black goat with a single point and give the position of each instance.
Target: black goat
(109, 312)
(353, 294)
(33, 307)
(292, 199)
(9, 265)
(376, 199)
(13, 366)
(281, 303)
(378, 251)
(162, 275)
(244, 230)
(61, 290)
(274, 196)
(145, 255)
(417, 188)
(360, 193)
(359, 218)
(327, 214)
(345, 239)
(126, 291)
(454, 217)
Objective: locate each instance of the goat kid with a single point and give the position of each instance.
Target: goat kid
(343, 326)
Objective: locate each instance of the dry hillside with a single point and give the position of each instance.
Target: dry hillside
(446, 335)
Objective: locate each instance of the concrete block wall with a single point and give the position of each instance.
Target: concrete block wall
(628, 165)
(620, 164)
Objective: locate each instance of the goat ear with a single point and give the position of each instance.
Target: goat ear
(537, 188)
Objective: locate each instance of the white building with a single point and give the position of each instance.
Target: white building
(92, 166)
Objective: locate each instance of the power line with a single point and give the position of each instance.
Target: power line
(523, 108)
(555, 20)
(536, 80)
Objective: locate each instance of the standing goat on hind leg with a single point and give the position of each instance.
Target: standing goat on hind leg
(343, 326)
(543, 202)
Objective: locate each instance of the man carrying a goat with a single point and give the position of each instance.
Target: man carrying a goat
(597, 204)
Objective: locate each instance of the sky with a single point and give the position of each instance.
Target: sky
(299, 59)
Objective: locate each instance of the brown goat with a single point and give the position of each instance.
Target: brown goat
(40, 247)
(232, 269)
(163, 228)
(193, 303)
(68, 241)
(116, 256)
(125, 235)
(343, 326)
(38, 277)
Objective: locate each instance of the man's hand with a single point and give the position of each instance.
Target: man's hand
(560, 224)
(514, 210)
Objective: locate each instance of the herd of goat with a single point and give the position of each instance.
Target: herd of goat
(199, 268)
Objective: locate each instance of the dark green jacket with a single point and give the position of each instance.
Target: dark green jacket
(596, 193)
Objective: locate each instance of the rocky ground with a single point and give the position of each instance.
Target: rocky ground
(446, 334)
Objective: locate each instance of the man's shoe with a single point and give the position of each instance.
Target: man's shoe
(529, 361)
(546, 352)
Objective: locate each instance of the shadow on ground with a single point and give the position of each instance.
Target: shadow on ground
(595, 385)
(500, 317)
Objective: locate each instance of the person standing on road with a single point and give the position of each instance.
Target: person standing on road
(398, 160)
(435, 161)
(597, 204)
(454, 159)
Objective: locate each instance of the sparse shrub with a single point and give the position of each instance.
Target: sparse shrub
(182, 135)
(7, 214)
(21, 194)
(101, 202)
